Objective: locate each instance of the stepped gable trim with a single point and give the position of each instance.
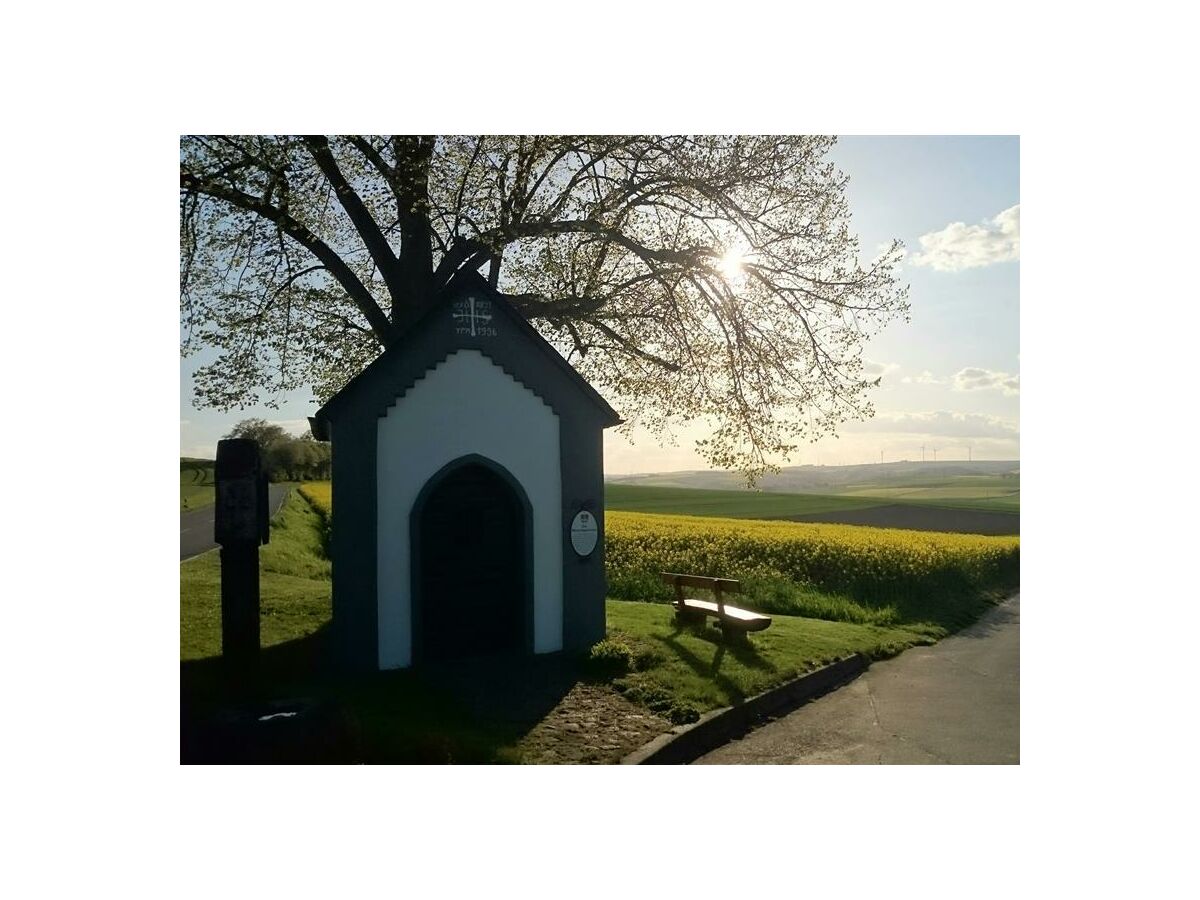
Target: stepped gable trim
(441, 362)
(319, 421)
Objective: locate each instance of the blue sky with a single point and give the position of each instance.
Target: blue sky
(950, 376)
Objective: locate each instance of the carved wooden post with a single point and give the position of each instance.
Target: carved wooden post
(242, 523)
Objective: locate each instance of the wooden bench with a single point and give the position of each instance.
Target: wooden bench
(730, 618)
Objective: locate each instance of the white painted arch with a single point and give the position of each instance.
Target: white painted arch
(465, 405)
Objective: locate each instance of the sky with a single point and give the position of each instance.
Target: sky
(950, 377)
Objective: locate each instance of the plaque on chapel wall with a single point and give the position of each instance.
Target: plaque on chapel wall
(473, 316)
(584, 532)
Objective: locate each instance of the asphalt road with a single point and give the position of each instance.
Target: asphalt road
(958, 701)
(196, 525)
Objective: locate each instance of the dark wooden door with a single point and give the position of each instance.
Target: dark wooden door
(472, 567)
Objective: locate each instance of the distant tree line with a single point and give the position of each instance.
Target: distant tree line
(286, 457)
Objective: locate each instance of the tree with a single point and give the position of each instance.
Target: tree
(284, 456)
(260, 431)
(315, 457)
(273, 444)
(688, 278)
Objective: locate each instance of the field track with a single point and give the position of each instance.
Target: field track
(921, 518)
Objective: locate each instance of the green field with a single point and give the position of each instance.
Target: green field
(998, 492)
(730, 504)
(989, 493)
(196, 485)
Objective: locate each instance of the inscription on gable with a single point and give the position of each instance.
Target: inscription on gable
(473, 317)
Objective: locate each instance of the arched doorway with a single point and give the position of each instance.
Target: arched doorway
(472, 595)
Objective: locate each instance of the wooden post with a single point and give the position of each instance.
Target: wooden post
(241, 523)
(240, 637)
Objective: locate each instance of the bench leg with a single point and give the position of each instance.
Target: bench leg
(734, 635)
(689, 617)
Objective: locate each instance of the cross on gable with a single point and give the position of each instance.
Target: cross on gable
(473, 317)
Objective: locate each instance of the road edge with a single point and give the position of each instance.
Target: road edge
(685, 743)
(275, 512)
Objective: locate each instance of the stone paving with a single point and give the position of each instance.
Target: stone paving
(591, 724)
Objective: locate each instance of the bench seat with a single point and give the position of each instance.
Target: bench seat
(730, 618)
(733, 616)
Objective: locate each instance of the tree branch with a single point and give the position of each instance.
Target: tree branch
(377, 245)
(297, 231)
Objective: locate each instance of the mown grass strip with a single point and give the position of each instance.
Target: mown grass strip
(682, 672)
(295, 586)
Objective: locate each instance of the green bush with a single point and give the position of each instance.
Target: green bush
(658, 699)
(683, 712)
(609, 659)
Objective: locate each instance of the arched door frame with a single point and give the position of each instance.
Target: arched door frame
(415, 538)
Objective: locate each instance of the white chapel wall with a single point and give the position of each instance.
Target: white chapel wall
(467, 404)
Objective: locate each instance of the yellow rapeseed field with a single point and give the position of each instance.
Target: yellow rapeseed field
(881, 562)
(876, 566)
(320, 494)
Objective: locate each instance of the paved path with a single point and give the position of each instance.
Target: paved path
(196, 525)
(955, 702)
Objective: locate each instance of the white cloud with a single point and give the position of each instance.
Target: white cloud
(960, 246)
(873, 369)
(925, 377)
(940, 423)
(973, 379)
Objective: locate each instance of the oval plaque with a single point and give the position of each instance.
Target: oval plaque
(584, 532)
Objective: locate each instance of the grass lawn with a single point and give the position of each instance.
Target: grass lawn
(295, 586)
(554, 708)
(682, 672)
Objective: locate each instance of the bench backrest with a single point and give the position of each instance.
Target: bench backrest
(718, 586)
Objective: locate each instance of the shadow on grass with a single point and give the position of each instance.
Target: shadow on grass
(468, 711)
(737, 647)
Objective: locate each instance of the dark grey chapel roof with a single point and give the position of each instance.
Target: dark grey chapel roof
(472, 283)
